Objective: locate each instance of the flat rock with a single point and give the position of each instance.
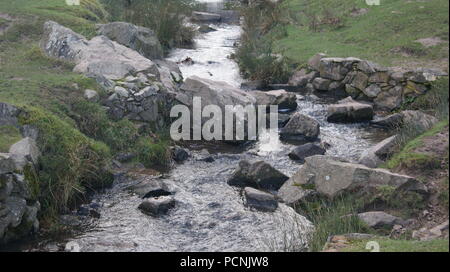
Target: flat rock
(331, 177)
(348, 110)
(380, 219)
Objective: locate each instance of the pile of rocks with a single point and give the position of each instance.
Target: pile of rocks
(387, 88)
(140, 89)
(18, 200)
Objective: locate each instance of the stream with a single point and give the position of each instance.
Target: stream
(210, 215)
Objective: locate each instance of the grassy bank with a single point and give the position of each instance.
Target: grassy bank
(77, 138)
(395, 33)
(387, 33)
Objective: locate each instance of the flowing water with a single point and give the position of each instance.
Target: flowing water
(210, 215)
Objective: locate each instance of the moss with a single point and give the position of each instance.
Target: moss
(70, 161)
(8, 136)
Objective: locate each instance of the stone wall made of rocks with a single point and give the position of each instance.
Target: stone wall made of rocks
(18, 203)
(386, 87)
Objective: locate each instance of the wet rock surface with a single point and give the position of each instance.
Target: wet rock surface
(260, 200)
(257, 175)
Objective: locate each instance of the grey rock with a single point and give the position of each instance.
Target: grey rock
(331, 177)
(259, 175)
(8, 115)
(150, 187)
(91, 95)
(180, 154)
(206, 17)
(260, 200)
(372, 91)
(302, 77)
(348, 110)
(121, 91)
(29, 131)
(280, 98)
(419, 120)
(377, 154)
(370, 67)
(301, 126)
(321, 84)
(314, 61)
(141, 39)
(7, 164)
(99, 57)
(157, 206)
(24, 152)
(379, 77)
(307, 150)
(388, 122)
(293, 194)
(336, 68)
(390, 99)
(360, 81)
(380, 219)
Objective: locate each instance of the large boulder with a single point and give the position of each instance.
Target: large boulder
(212, 93)
(140, 39)
(377, 154)
(307, 150)
(260, 200)
(348, 110)
(280, 98)
(216, 93)
(332, 177)
(23, 152)
(301, 127)
(379, 219)
(99, 58)
(259, 175)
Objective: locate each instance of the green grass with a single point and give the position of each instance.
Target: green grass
(8, 136)
(407, 157)
(79, 18)
(333, 218)
(389, 245)
(393, 24)
(70, 162)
